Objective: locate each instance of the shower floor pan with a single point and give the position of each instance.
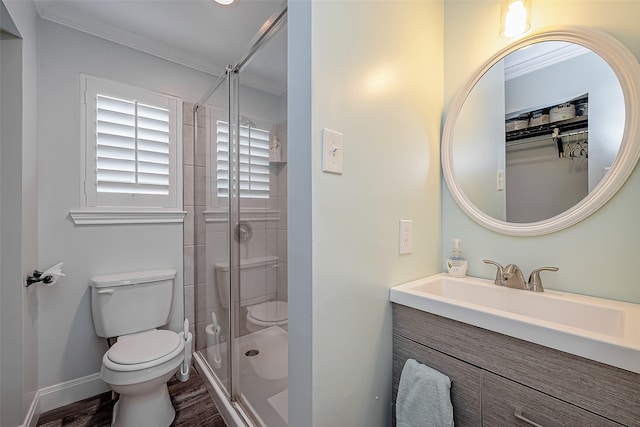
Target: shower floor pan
(263, 373)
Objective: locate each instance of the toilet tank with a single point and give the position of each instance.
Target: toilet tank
(126, 303)
(258, 280)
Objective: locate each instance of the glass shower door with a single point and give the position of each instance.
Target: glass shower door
(259, 243)
(241, 240)
(212, 214)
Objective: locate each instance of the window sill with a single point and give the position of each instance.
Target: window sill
(126, 217)
(246, 214)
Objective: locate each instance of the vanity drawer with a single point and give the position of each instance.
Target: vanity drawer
(502, 397)
(465, 379)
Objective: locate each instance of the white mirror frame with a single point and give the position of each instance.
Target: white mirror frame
(625, 66)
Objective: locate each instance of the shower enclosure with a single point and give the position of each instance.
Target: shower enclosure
(241, 237)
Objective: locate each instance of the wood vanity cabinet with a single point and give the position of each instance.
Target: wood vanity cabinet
(494, 375)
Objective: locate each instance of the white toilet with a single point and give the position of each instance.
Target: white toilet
(265, 314)
(130, 307)
(258, 288)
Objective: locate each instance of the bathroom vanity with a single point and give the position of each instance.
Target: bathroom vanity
(500, 380)
(494, 375)
(517, 357)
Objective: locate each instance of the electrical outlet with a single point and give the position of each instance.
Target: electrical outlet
(406, 236)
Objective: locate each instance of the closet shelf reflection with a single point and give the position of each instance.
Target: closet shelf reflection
(546, 129)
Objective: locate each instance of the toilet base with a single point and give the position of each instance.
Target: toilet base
(152, 409)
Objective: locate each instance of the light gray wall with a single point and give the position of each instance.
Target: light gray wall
(18, 81)
(372, 71)
(479, 136)
(541, 185)
(11, 301)
(67, 342)
(594, 256)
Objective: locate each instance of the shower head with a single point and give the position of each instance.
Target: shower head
(244, 120)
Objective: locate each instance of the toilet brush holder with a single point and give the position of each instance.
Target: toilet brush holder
(183, 372)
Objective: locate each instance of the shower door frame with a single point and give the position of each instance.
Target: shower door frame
(233, 81)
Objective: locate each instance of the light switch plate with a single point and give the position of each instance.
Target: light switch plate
(332, 151)
(500, 180)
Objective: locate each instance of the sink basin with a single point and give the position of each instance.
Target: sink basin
(594, 328)
(550, 306)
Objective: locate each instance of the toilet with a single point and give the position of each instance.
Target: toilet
(130, 307)
(258, 288)
(265, 314)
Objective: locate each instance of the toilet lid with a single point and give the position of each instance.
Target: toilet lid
(270, 311)
(143, 347)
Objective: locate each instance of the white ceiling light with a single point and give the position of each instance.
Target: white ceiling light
(225, 2)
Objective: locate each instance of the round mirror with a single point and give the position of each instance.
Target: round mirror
(544, 133)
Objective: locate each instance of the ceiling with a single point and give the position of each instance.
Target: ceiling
(540, 55)
(200, 34)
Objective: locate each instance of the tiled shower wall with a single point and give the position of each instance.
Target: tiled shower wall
(195, 267)
(189, 203)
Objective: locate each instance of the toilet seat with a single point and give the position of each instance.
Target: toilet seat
(268, 313)
(143, 350)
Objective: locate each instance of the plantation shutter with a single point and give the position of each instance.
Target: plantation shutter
(254, 161)
(132, 147)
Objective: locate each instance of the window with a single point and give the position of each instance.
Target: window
(254, 161)
(131, 148)
(132, 142)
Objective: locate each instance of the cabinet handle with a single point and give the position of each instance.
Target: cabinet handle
(105, 291)
(518, 414)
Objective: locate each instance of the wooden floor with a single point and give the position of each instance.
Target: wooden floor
(190, 399)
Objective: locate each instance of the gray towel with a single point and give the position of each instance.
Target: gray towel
(424, 397)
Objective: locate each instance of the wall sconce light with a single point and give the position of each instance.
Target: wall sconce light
(516, 18)
(224, 2)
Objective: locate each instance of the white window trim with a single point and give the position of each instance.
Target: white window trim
(91, 214)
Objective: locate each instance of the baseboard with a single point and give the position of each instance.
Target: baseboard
(33, 414)
(58, 395)
(61, 394)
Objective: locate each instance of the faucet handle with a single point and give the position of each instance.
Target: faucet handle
(500, 281)
(535, 283)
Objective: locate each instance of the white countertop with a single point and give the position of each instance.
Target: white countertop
(599, 329)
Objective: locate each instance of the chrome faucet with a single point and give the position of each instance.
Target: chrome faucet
(511, 276)
(535, 283)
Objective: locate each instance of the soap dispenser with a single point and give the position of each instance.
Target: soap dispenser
(456, 264)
